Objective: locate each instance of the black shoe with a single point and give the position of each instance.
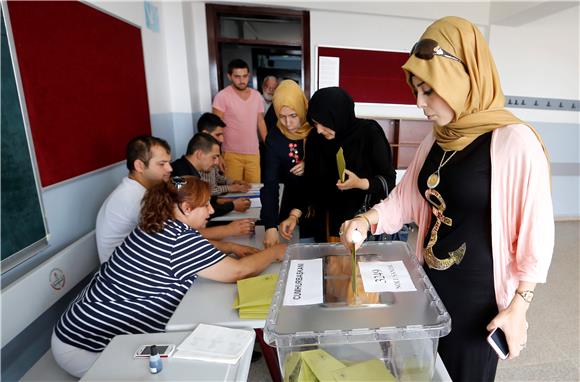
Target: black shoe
(256, 356)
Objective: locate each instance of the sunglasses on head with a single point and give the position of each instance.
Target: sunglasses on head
(426, 49)
(178, 182)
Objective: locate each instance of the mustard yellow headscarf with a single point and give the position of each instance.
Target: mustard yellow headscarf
(289, 94)
(475, 96)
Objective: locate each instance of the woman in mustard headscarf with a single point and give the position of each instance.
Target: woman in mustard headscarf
(479, 190)
(284, 158)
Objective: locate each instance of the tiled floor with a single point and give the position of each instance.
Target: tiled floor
(553, 351)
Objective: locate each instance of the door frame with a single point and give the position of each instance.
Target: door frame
(212, 14)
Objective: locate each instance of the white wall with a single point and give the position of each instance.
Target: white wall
(540, 59)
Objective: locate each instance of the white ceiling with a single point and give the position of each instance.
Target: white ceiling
(516, 13)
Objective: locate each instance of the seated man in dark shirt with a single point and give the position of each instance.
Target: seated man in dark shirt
(203, 152)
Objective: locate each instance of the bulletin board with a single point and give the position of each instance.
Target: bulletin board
(83, 79)
(371, 76)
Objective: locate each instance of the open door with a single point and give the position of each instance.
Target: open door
(272, 41)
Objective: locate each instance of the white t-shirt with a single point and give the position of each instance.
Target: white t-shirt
(118, 216)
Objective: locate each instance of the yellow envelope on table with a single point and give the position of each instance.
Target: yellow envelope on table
(340, 163)
(372, 370)
(253, 316)
(256, 291)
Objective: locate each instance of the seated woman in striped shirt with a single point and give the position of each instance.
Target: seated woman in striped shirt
(141, 285)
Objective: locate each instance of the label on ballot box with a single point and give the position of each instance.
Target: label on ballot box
(386, 276)
(304, 285)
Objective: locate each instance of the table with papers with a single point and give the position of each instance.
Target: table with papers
(116, 363)
(211, 302)
(251, 213)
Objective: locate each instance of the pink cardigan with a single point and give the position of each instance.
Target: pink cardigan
(522, 220)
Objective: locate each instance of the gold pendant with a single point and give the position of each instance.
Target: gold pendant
(436, 263)
(433, 180)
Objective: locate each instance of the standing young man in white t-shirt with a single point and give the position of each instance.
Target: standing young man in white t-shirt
(242, 109)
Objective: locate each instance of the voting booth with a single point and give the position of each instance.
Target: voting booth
(383, 326)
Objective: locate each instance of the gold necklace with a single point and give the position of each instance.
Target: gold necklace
(434, 179)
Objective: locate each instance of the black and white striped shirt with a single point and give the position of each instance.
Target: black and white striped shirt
(138, 288)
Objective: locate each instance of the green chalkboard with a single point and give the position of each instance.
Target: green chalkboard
(23, 230)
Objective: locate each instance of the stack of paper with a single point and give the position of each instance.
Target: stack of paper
(215, 344)
(255, 296)
(253, 194)
(318, 365)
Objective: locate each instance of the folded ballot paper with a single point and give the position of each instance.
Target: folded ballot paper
(340, 164)
(255, 296)
(213, 343)
(319, 366)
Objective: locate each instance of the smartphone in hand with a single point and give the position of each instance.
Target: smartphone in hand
(498, 342)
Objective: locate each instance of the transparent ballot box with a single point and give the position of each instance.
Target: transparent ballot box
(384, 326)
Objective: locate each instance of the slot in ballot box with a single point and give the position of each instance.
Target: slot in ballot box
(385, 327)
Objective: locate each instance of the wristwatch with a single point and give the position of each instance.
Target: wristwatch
(527, 295)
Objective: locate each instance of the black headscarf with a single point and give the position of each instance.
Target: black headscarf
(333, 108)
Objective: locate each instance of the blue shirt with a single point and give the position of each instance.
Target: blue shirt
(138, 288)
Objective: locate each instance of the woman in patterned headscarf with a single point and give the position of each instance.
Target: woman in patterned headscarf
(479, 190)
(284, 162)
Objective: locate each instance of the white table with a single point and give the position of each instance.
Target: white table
(116, 363)
(250, 213)
(210, 302)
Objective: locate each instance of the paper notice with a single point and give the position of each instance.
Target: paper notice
(304, 285)
(328, 71)
(385, 276)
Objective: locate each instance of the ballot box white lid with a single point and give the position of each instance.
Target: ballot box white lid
(381, 316)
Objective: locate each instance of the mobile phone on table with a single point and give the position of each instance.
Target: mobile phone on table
(498, 342)
(164, 350)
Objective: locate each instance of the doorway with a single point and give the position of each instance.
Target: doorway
(272, 41)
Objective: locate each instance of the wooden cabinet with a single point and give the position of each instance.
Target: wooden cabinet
(404, 135)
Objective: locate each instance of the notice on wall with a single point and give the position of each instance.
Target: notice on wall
(386, 276)
(304, 285)
(328, 71)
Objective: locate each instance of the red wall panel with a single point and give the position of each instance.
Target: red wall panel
(83, 78)
(372, 76)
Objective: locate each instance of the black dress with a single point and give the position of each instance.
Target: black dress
(367, 153)
(467, 288)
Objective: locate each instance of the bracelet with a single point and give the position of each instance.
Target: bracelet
(527, 295)
(366, 219)
(297, 218)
